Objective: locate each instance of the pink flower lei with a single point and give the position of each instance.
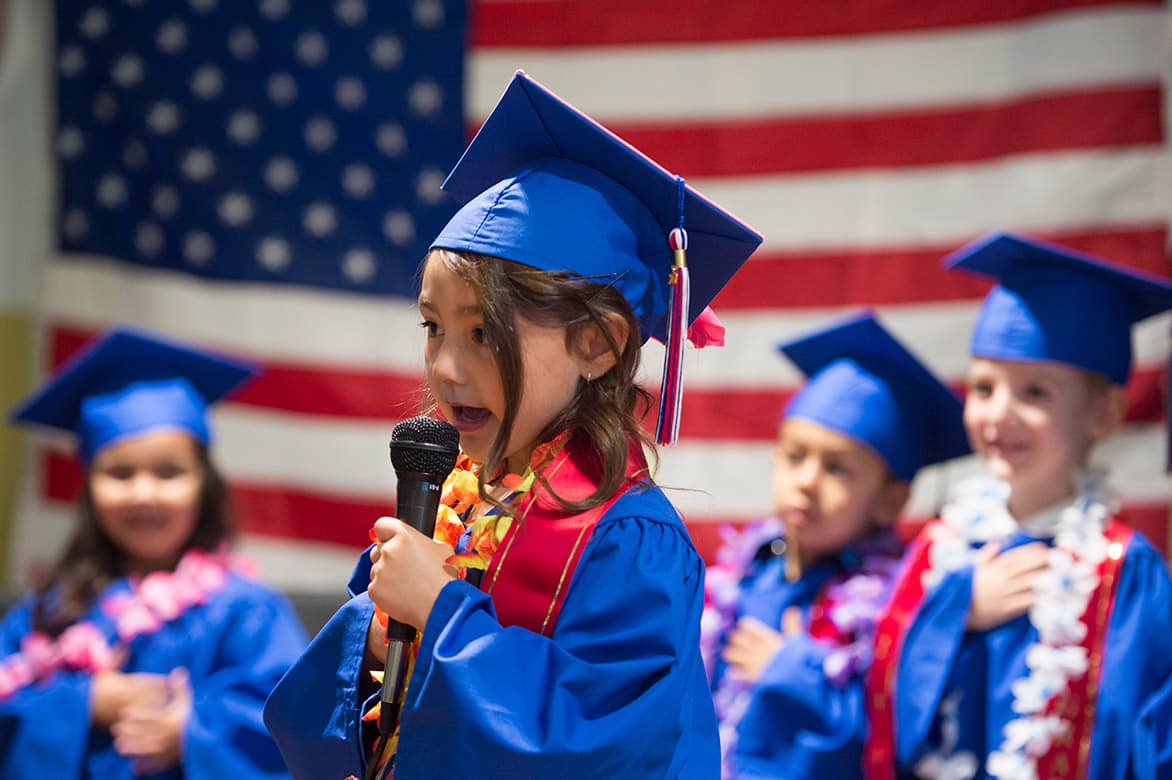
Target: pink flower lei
(154, 600)
(851, 602)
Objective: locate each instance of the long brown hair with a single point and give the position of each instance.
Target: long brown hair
(605, 413)
(91, 560)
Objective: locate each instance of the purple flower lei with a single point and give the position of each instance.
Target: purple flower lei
(853, 601)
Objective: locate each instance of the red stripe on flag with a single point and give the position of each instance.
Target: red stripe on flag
(1123, 116)
(734, 413)
(904, 275)
(309, 517)
(518, 23)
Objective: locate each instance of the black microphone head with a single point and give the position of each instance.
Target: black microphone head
(423, 445)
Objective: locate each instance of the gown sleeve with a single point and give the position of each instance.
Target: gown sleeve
(798, 723)
(1152, 739)
(928, 662)
(44, 727)
(1134, 706)
(313, 713)
(616, 692)
(259, 639)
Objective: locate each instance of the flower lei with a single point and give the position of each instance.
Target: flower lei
(459, 498)
(1061, 596)
(154, 600)
(722, 595)
(458, 526)
(853, 600)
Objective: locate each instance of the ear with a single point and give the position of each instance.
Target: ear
(890, 502)
(594, 353)
(1108, 408)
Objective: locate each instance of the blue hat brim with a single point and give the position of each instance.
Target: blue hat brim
(119, 358)
(866, 385)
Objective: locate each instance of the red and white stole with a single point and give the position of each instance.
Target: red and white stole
(1068, 754)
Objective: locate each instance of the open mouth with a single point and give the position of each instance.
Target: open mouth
(469, 416)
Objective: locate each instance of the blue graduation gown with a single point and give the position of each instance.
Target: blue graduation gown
(617, 690)
(972, 674)
(235, 648)
(798, 723)
(1153, 736)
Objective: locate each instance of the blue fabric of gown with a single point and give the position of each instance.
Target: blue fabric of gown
(617, 690)
(235, 648)
(975, 672)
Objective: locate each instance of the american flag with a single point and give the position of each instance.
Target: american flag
(263, 177)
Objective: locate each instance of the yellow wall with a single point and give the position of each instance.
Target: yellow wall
(15, 380)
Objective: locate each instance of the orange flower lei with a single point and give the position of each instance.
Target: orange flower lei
(459, 497)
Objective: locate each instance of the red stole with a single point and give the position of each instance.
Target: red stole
(1068, 755)
(531, 572)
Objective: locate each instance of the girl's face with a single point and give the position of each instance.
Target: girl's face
(829, 489)
(465, 381)
(1033, 424)
(145, 493)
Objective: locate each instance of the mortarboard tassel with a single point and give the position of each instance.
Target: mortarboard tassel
(667, 430)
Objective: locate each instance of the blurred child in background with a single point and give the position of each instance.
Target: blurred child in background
(1028, 635)
(146, 652)
(790, 625)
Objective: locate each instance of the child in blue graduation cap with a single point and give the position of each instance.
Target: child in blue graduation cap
(145, 652)
(793, 624)
(1028, 635)
(578, 654)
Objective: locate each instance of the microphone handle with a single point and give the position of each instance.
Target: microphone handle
(417, 504)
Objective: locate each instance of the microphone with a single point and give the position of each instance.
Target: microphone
(423, 453)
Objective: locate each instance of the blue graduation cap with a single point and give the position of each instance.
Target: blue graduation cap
(126, 383)
(865, 385)
(1055, 304)
(548, 187)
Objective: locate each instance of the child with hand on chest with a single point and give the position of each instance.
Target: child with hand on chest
(1027, 635)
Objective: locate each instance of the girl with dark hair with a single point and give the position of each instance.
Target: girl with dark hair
(146, 650)
(576, 653)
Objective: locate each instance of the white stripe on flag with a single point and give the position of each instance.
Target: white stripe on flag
(934, 69)
(290, 324)
(937, 205)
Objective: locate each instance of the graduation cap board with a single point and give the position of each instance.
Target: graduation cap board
(866, 385)
(126, 383)
(546, 186)
(1052, 303)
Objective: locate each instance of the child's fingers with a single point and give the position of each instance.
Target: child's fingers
(733, 654)
(987, 553)
(1028, 557)
(387, 528)
(1017, 604)
(751, 626)
(179, 683)
(791, 621)
(744, 639)
(136, 737)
